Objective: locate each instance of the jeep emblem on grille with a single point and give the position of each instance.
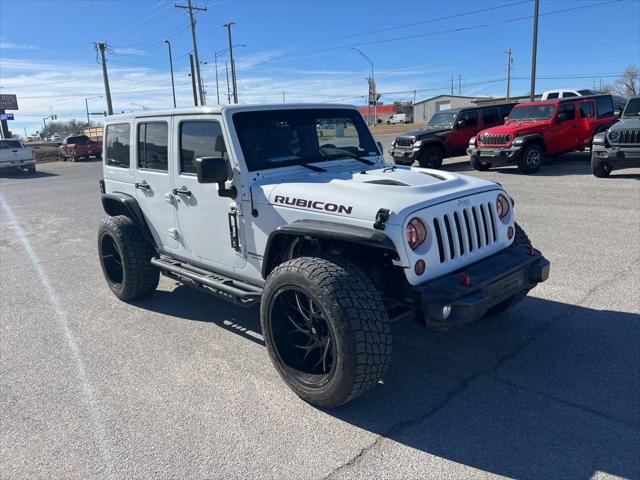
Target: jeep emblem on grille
(464, 203)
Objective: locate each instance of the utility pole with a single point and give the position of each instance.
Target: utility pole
(451, 84)
(193, 81)
(215, 61)
(226, 66)
(283, 100)
(233, 65)
(192, 21)
(534, 50)
(102, 46)
(459, 84)
(509, 62)
(414, 97)
(173, 85)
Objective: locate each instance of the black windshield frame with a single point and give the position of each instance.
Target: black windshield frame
(251, 124)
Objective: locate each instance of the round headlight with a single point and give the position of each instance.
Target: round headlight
(614, 135)
(502, 205)
(508, 138)
(416, 233)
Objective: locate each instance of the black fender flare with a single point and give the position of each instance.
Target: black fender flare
(323, 230)
(119, 203)
(534, 137)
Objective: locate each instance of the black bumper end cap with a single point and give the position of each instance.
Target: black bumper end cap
(539, 271)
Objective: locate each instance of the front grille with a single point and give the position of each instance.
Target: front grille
(404, 141)
(629, 136)
(464, 231)
(492, 139)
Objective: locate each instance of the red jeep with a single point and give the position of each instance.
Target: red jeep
(76, 147)
(536, 129)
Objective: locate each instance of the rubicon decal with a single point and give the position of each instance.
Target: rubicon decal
(313, 204)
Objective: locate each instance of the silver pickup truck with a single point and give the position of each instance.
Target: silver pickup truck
(14, 155)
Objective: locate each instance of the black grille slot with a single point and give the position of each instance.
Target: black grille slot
(466, 222)
(492, 139)
(484, 225)
(493, 222)
(475, 221)
(456, 219)
(404, 141)
(629, 136)
(452, 252)
(436, 228)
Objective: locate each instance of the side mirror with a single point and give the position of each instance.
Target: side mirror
(215, 170)
(460, 123)
(562, 117)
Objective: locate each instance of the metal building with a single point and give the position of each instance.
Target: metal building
(424, 109)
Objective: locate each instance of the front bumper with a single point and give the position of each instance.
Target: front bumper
(404, 156)
(18, 163)
(513, 271)
(495, 156)
(617, 157)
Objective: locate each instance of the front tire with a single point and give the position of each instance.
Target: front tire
(125, 258)
(31, 170)
(326, 329)
(600, 169)
(431, 157)
(530, 159)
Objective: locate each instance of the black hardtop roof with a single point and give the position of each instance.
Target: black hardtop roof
(476, 107)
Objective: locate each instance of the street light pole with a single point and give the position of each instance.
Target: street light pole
(226, 66)
(173, 85)
(86, 105)
(373, 89)
(215, 61)
(233, 65)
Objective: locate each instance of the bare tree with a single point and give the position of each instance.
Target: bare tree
(629, 83)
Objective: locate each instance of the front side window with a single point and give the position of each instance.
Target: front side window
(532, 112)
(587, 110)
(553, 95)
(152, 146)
(199, 139)
(569, 109)
(490, 117)
(117, 143)
(568, 94)
(279, 138)
(470, 119)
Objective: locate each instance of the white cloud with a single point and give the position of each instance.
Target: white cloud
(16, 46)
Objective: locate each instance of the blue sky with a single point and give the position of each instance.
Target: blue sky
(303, 48)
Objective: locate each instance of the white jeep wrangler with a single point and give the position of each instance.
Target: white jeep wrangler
(294, 207)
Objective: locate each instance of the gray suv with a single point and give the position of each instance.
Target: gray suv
(619, 146)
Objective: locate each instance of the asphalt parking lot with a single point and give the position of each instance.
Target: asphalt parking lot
(179, 385)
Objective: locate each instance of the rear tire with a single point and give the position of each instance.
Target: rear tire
(600, 169)
(326, 329)
(431, 157)
(478, 165)
(31, 170)
(530, 159)
(125, 258)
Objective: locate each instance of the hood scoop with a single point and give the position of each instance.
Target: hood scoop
(387, 181)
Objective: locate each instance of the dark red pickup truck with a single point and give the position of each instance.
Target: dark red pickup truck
(538, 129)
(76, 147)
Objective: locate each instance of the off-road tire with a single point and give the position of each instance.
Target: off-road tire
(520, 238)
(600, 169)
(478, 165)
(530, 159)
(31, 170)
(139, 277)
(431, 157)
(356, 314)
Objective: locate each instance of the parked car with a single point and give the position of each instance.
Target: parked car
(539, 129)
(399, 118)
(619, 146)
(251, 204)
(77, 147)
(567, 93)
(446, 135)
(14, 155)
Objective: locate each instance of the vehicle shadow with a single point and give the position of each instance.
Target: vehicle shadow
(25, 175)
(545, 390)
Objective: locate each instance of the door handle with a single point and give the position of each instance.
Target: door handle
(143, 186)
(180, 191)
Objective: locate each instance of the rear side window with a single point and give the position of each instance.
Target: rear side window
(152, 146)
(470, 119)
(587, 110)
(10, 144)
(553, 95)
(569, 109)
(490, 117)
(199, 139)
(117, 143)
(604, 106)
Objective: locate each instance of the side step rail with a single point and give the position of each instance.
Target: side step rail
(237, 291)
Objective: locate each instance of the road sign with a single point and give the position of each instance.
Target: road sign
(8, 102)
(6, 116)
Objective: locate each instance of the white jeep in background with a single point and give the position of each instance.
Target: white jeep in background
(294, 207)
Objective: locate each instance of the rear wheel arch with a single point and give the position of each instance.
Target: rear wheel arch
(119, 203)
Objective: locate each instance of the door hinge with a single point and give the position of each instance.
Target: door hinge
(233, 229)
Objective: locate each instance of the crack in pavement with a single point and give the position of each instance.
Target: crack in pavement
(490, 373)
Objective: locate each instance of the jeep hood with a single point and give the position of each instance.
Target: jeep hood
(425, 132)
(520, 128)
(359, 195)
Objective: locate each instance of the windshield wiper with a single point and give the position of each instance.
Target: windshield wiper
(334, 156)
(313, 168)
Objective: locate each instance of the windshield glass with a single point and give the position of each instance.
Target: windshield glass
(279, 138)
(9, 144)
(443, 119)
(532, 112)
(632, 108)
